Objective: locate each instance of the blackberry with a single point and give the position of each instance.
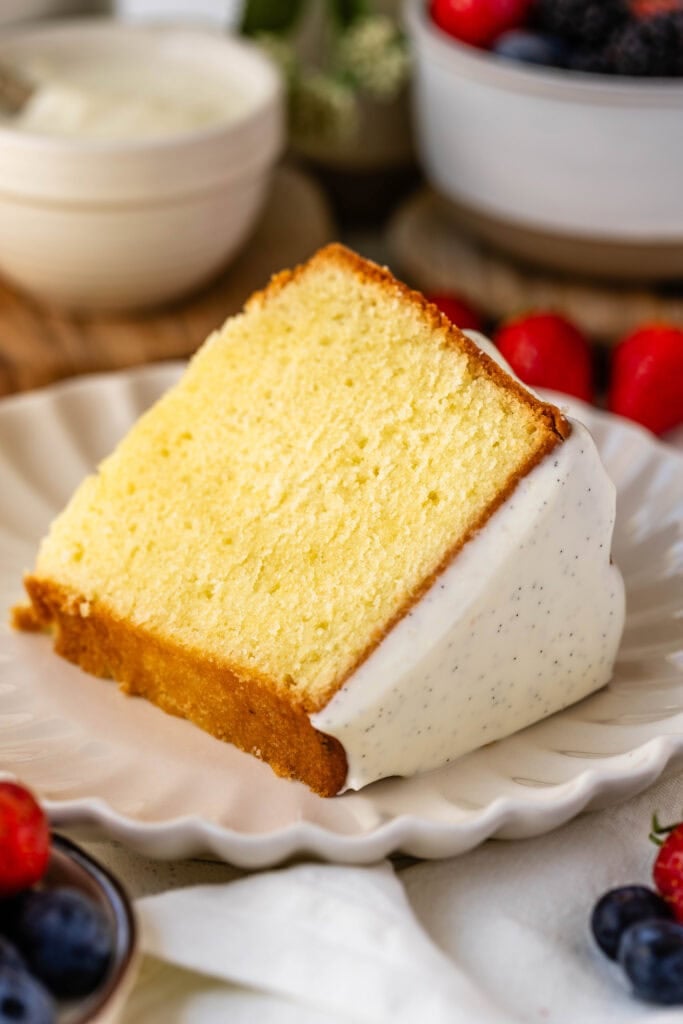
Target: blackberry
(585, 23)
(593, 62)
(648, 46)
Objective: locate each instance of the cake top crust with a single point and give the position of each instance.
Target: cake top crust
(368, 271)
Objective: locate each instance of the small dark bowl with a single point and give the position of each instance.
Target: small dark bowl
(71, 866)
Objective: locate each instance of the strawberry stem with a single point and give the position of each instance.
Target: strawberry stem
(657, 830)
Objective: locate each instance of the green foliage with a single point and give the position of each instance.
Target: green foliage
(362, 53)
(322, 108)
(282, 15)
(372, 55)
(270, 15)
(345, 12)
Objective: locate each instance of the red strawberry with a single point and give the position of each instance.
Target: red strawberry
(668, 868)
(24, 839)
(648, 8)
(546, 350)
(647, 377)
(479, 22)
(457, 310)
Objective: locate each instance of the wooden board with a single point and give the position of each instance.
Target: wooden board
(40, 344)
(434, 250)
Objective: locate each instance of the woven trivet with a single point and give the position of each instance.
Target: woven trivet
(429, 248)
(40, 344)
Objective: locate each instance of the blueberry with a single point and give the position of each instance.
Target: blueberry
(66, 939)
(531, 48)
(620, 908)
(8, 913)
(23, 1000)
(651, 953)
(10, 955)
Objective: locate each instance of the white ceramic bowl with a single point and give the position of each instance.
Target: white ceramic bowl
(548, 150)
(119, 224)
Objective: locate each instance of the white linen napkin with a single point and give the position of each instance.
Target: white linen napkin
(498, 936)
(340, 943)
(515, 916)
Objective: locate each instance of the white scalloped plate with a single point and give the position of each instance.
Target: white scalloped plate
(166, 789)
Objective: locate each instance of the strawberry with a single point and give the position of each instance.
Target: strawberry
(24, 839)
(668, 867)
(675, 901)
(479, 22)
(457, 310)
(546, 350)
(649, 8)
(647, 377)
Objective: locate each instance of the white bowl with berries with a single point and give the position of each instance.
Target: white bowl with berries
(572, 133)
(68, 947)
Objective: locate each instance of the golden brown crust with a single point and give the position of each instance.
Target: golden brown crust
(24, 617)
(368, 271)
(236, 708)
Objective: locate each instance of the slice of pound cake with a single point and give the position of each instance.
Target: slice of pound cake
(347, 541)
